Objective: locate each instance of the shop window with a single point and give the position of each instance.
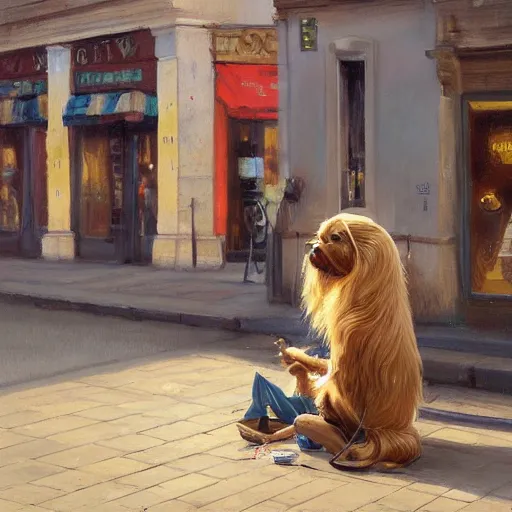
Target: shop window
(11, 180)
(490, 197)
(352, 132)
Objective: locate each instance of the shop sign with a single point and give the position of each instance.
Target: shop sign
(122, 49)
(106, 64)
(15, 89)
(23, 63)
(98, 78)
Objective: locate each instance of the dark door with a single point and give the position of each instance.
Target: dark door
(23, 196)
(112, 161)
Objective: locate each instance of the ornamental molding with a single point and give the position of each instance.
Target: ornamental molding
(249, 45)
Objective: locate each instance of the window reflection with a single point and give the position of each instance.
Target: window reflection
(491, 198)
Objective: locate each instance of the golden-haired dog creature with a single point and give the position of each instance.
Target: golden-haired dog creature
(356, 297)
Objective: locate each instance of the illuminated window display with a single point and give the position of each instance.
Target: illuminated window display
(491, 197)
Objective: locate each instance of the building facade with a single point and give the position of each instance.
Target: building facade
(401, 110)
(473, 59)
(359, 110)
(116, 138)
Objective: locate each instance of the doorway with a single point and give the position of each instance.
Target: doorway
(115, 193)
(23, 190)
(252, 165)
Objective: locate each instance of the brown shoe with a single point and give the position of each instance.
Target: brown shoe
(258, 431)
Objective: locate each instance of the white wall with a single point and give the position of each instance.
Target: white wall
(406, 111)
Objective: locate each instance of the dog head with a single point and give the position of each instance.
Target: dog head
(349, 261)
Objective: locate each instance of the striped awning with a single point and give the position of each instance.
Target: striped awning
(133, 106)
(19, 111)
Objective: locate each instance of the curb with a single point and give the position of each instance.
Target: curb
(441, 366)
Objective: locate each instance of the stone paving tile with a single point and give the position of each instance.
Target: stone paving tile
(162, 386)
(54, 426)
(25, 472)
(224, 399)
(151, 477)
(70, 480)
(235, 485)
(348, 497)
(435, 490)
(202, 462)
(29, 494)
(21, 418)
(186, 485)
(8, 438)
(216, 419)
(307, 491)
(131, 443)
(258, 493)
(105, 413)
(148, 403)
(444, 505)
(406, 500)
(60, 409)
(173, 506)
(29, 450)
(86, 435)
(231, 469)
(81, 456)
(137, 423)
(88, 498)
(238, 450)
(115, 468)
(168, 452)
(182, 411)
(268, 506)
(143, 500)
(375, 507)
(9, 506)
(488, 506)
(176, 431)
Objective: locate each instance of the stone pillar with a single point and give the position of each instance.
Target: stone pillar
(165, 246)
(58, 243)
(196, 98)
(448, 213)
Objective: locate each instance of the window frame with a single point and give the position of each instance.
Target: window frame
(467, 289)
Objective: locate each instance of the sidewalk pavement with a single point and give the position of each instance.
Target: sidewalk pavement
(220, 299)
(157, 435)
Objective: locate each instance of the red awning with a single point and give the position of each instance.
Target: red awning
(249, 91)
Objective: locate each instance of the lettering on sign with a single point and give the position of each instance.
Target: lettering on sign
(24, 63)
(502, 147)
(127, 46)
(93, 78)
(106, 51)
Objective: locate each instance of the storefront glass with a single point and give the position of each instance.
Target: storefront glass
(12, 167)
(490, 139)
(118, 192)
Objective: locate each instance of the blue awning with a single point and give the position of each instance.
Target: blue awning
(133, 106)
(20, 111)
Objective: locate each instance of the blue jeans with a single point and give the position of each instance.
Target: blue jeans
(265, 394)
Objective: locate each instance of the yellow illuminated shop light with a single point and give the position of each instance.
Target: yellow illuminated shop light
(483, 106)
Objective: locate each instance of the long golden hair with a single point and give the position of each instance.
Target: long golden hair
(358, 302)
